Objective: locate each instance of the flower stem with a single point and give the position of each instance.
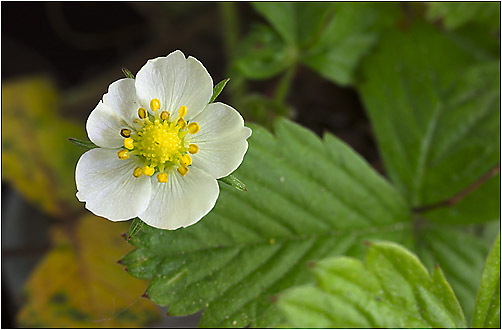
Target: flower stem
(461, 195)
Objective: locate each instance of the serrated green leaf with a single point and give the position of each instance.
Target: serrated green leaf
(459, 254)
(307, 199)
(262, 54)
(233, 182)
(393, 290)
(487, 309)
(82, 143)
(348, 36)
(218, 88)
(436, 115)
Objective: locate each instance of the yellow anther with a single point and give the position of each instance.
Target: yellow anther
(155, 104)
(162, 177)
(182, 111)
(182, 123)
(148, 170)
(129, 143)
(183, 170)
(193, 149)
(142, 113)
(165, 115)
(193, 128)
(123, 154)
(125, 132)
(138, 171)
(186, 160)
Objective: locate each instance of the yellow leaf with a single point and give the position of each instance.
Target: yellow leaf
(36, 155)
(80, 284)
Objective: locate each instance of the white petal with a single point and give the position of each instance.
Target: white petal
(182, 201)
(108, 187)
(175, 81)
(221, 140)
(103, 127)
(122, 99)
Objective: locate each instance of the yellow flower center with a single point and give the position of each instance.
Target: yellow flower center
(160, 142)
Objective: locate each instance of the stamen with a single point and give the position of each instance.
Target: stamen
(129, 143)
(183, 170)
(125, 132)
(193, 149)
(182, 111)
(138, 171)
(162, 177)
(142, 113)
(182, 123)
(123, 154)
(155, 104)
(148, 170)
(165, 115)
(193, 128)
(185, 160)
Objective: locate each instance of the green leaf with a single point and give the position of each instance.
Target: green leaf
(458, 14)
(82, 143)
(436, 115)
(349, 36)
(135, 228)
(263, 54)
(233, 182)
(459, 254)
(487, 309)
(298, 23)
(307, 199)
(128, 73)
(218, 88)
(393, 290)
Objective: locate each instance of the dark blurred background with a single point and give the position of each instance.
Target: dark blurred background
(75, 50)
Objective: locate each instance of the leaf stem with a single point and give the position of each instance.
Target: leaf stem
(284, 85)
(461, 195)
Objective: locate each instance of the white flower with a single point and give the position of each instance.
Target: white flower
(162, 146)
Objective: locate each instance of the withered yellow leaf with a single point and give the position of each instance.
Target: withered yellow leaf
(79, 283)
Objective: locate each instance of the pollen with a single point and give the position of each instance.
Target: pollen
(138, 171)
(165, 115)
(123, 154)
(182, 170)
(193, 149)
(182, 123)
(160, 144)
(142, 113)
(125, 132)
(155, 105)
(162, 177)
(193, 128)
(182, 111)
(148, 170)
(129, 143)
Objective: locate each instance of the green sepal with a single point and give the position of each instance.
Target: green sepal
(234, 182)
(135, 228)
(128, 73)
(218, 88)
(82, 143)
